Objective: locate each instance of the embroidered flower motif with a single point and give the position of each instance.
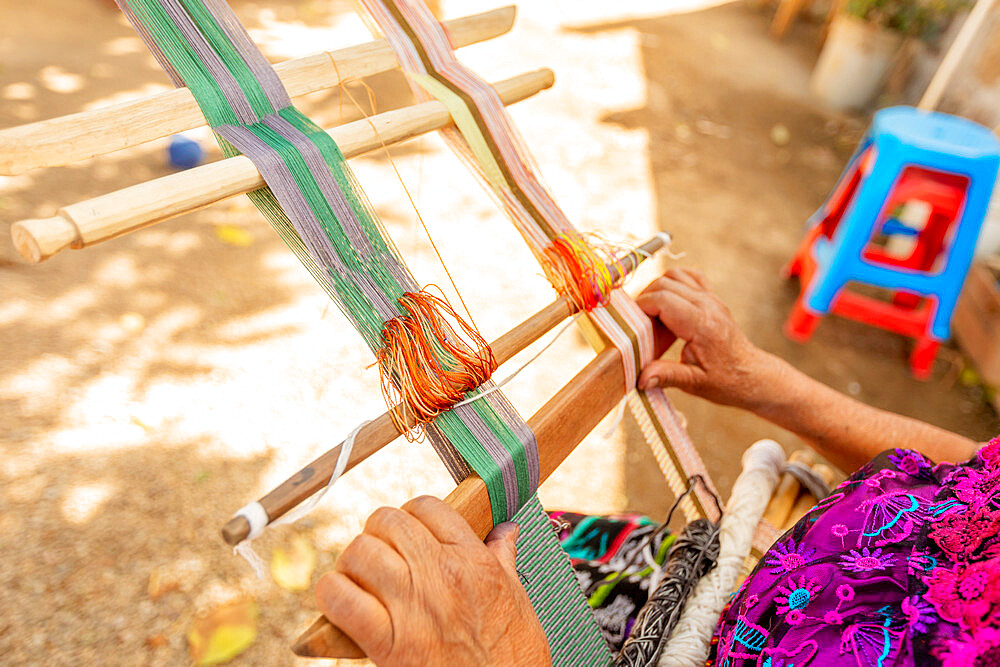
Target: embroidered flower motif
(845, 593)
(967, 595)
(919, 614)
(833, 617)
(796, 596)
(794, 617)
(961, 535)
(990, 454)
(910, 462)
(867, 560)
(788, 556)
(840, 530)
(977, 488)
(980, 648)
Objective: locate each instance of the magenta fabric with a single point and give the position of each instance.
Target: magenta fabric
(899, 566)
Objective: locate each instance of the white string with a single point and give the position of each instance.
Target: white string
(496, 387)
(619, 416)
(257, 517)
(689, 643)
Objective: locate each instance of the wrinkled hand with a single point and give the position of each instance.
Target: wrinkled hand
(718, 362)
(418, 587)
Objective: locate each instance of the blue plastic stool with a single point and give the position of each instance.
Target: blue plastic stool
(904, 137)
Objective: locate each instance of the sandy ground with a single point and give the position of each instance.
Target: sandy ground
(152, 385)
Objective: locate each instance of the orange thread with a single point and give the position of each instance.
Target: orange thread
(429, 360)
(580, 272)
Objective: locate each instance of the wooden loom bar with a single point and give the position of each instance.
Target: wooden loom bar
(108, 216)
(381, 431)
(591, 394)
(79, 136)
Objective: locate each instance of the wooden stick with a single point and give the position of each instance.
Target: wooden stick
(108, 216)
(807, 500)
(787, 491)
(381, 431)
(590, 395)
(954, 55)
(66, 139)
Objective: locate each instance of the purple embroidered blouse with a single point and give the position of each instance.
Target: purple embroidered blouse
(899, 566)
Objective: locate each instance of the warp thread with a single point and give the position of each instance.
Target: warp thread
(689, 642)
(692, 556)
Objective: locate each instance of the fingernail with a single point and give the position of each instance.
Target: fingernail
(653, 382)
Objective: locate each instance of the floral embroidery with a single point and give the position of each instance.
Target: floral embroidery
(891, 517)
(967, 595)
(919, 542)
(978, 488)
(920, 562)
(919, 614)
(990, 454)
(796, 596)
(961, 535)
(980, 648)
(788, 556)
(910, 462)
(867, 560)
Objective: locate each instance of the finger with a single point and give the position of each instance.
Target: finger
(375, 566)
(687, 288)
(700, 278)
(679, 315)
(443, 522)
(402, 531)
(502, 542)
(667, 373)
(358, 613)
(685, 276)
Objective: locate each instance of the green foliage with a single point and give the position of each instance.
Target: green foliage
(913, 18)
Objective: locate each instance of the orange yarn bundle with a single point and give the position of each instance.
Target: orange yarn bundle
(429, 360)
(579, 272)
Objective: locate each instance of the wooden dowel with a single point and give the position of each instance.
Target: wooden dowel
(951, 60)
(787, 491)
(67, 139)
(807, 500)
(106, 217)
(381, 431)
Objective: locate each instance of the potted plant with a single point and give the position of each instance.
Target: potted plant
(863, 41)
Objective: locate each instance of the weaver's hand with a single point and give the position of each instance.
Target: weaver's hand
(417, 587)
(718, 362)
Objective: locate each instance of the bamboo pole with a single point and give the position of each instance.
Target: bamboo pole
(954, 55)
(108, 216)
(590, 395)
(79, 136)
(381, 431)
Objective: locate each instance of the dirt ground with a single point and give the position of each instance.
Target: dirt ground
(152, 385)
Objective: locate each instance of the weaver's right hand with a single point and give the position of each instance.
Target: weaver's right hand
(417, 587)
(718, 362)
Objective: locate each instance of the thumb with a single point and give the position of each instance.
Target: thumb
(502, 541)
(668, 373)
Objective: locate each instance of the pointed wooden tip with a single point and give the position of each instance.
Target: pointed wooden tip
(323, 640)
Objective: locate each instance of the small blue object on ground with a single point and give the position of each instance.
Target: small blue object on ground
(184, 153)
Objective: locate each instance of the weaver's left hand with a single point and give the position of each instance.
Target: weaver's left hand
(417, 587)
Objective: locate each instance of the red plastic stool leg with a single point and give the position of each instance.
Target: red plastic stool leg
(905, 300)
(922, 357)
(800, 324)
